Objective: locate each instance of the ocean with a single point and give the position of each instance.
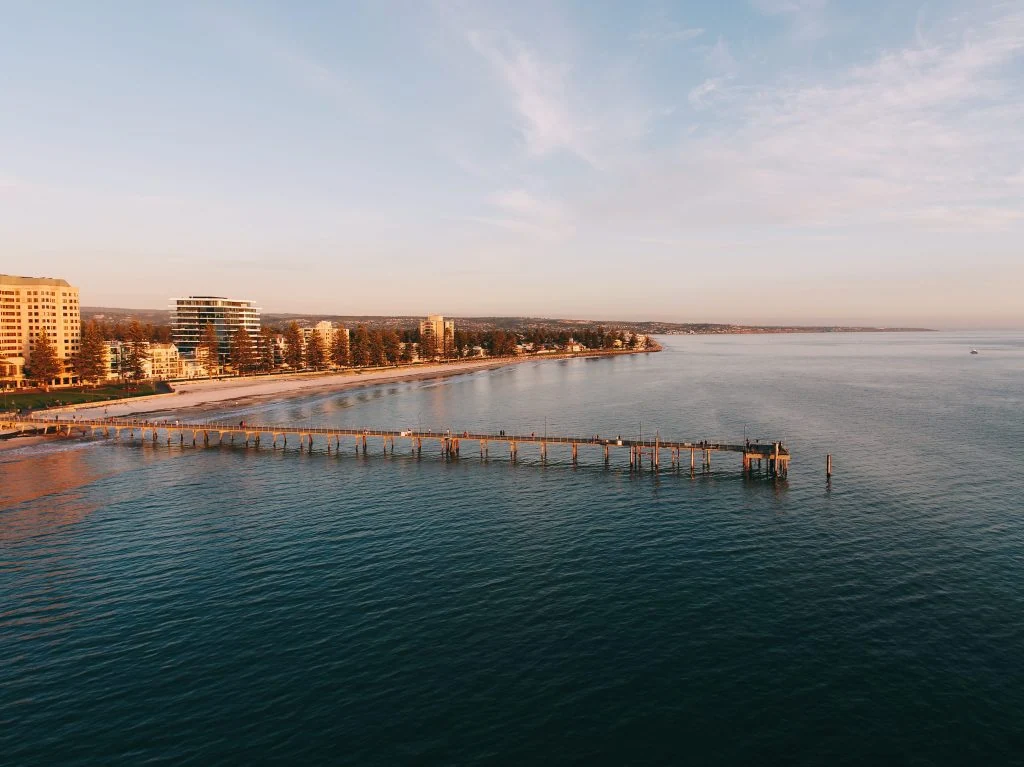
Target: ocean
(163, 605)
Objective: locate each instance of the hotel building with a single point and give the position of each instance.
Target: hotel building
(162, 361)
(437, 334)
(30, 306)
(191, 315)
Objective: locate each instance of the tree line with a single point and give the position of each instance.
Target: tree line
(261, 353)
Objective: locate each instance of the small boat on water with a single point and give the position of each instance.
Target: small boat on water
(974, 351)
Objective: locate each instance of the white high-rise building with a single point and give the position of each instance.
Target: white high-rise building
(191, 316)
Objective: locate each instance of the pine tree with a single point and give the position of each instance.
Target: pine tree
(361, 347)
(45, 364)
(91, 361)
(339, 348)
(428, 345)
(377, 348)
(293, 351)
(243, 356)
(406, 355)
(135, 352)
(448, 343)
(209, 349)
(316, 357)
(392, 347)
(267, 359)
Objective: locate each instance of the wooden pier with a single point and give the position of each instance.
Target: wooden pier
(772, 455)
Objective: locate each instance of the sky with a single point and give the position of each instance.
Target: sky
(753, 161)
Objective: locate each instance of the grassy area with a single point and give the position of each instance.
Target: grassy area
(38, 400)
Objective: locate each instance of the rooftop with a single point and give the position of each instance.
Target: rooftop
(10, 279)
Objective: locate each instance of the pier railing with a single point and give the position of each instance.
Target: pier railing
(774, 455)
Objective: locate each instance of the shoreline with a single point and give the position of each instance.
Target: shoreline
(211, 394)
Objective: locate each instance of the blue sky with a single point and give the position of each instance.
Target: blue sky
(750, 161)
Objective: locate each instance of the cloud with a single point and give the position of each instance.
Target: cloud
(303, 69)
(925, 137)
(704, 93)
(540, 93)
(666, 32)
(523, 211)
(777, 7)
(719, 58)
(806, 17)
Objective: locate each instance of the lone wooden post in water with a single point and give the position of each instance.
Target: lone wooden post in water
(828, 466)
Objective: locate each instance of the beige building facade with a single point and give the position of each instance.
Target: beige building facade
(30, 306)
(437, 332)
(163, 362)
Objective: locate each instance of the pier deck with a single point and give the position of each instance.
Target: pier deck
(775, 455)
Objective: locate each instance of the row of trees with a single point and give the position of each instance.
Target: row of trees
(121, 330)
(90, 363)
(248, 354)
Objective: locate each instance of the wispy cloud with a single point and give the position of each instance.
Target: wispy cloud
(540, 91)
(915, 136)
(301, 67)
(706, 92)
(719, 59)
(806, 18)
(666, 32)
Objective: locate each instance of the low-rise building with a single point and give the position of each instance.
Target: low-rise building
(162, 361)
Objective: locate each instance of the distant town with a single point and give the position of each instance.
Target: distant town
(48, 341)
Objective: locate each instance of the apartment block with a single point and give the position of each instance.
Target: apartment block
(30, 306)
(191, 315)
(437, 334)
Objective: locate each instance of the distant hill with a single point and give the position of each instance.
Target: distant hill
(163, 317)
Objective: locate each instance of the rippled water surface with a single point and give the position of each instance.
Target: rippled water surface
(228, 606)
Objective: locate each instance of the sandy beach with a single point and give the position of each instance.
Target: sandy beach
(209, 394)
(192, 398)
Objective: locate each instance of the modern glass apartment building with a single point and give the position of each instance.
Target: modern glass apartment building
(191, 315)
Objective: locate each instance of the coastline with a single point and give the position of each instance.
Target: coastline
(209, 394)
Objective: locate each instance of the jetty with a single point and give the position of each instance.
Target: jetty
(773, 456)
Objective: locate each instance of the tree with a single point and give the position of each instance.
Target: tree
(406, 355)
(293, 352)
(46, 365)
(448, 343)
(339, 348)
(392, 347)
(91, 363)
(135, 352)
(361, 347)
(209, 349)
(267, 358)
(316, 356)
(377, 348)
(428, 345)
(243, 356)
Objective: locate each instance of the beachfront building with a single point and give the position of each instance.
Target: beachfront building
(327, 332)
(437, 336)
(162, 362)
(191, 315)
(30, 306)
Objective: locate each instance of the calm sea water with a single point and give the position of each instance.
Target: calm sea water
(227, 606)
